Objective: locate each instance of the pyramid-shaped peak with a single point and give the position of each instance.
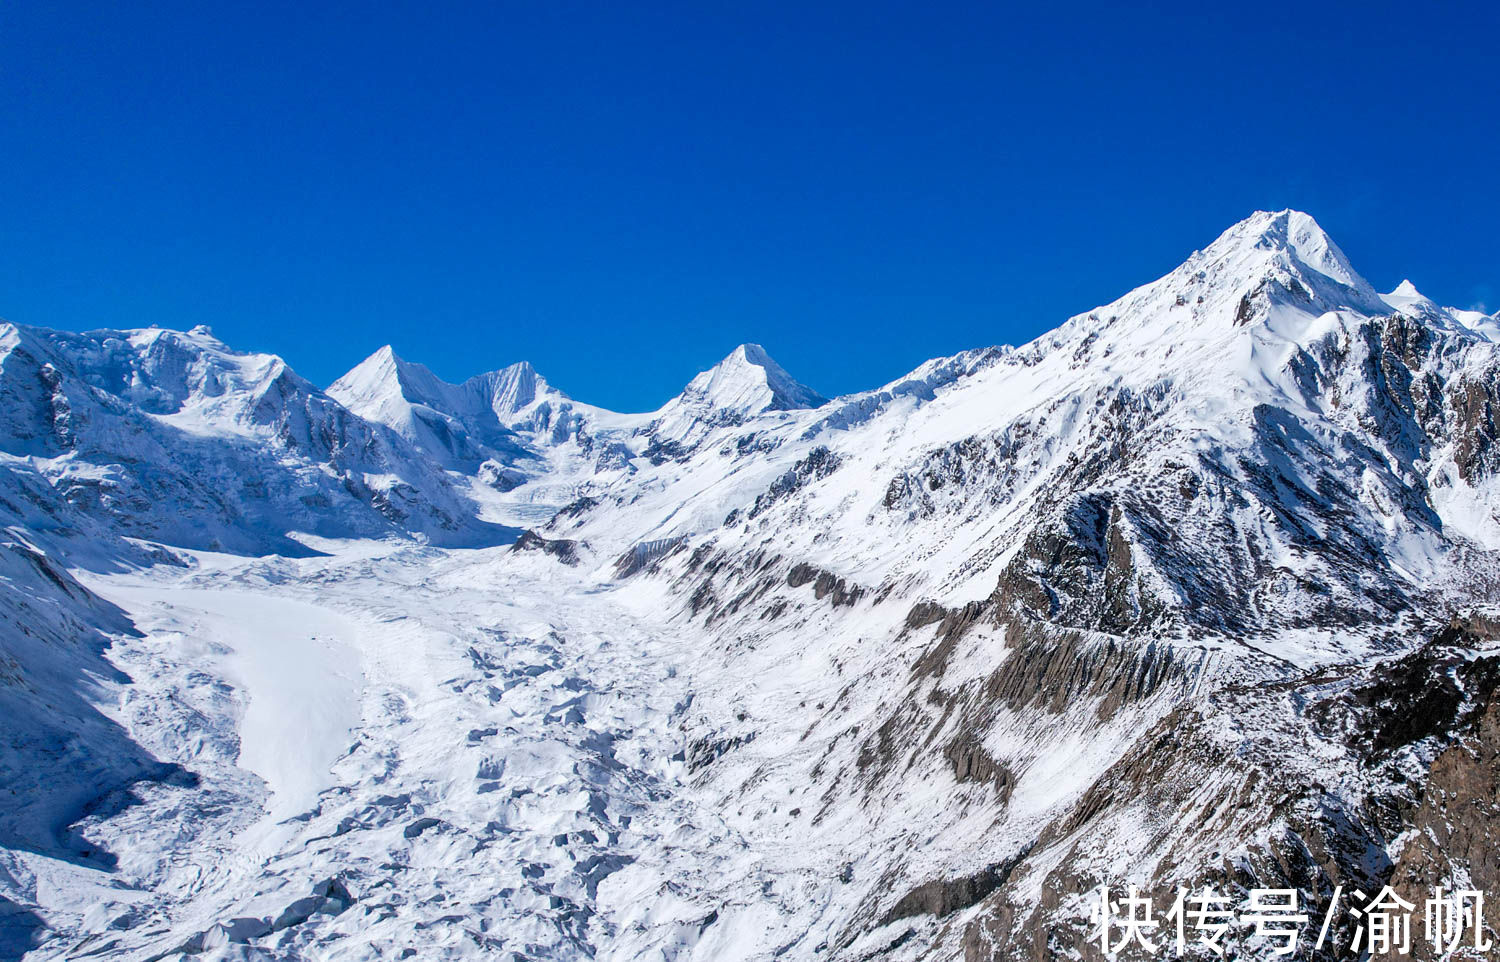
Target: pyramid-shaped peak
(1291, 234)
(512, 388)
(383, 358)
(382, 374)
(753, 353)
(748, 381)
(1408, 300)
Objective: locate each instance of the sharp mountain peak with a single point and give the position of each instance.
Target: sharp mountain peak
(749, 380)
(1286, 238)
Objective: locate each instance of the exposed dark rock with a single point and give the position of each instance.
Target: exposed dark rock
(703, 752)
(642, 555)
(1223, 773)
(952, 626)
(1476, 408)
(1244, 312)
(573, 509)
(942, 897)
(817, 465)
(971, 763)
(825, 584)
(562, 549)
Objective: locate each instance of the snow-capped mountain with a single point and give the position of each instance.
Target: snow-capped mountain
(746, 383)
(460, 426)
(1247, 419)
(177, 438)
(509, 429)
(1251, 468)
(1191, 589)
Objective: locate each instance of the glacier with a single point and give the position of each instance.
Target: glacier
(1198, 586)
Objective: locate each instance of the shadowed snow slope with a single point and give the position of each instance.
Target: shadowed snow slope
(1191, 588)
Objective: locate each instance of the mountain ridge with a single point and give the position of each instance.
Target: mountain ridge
(1191, 587)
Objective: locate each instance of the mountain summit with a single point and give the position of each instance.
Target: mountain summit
(757, 668)
(746, 383)
(384, 376)
(1281, 257)
(1297, 235)
(459, 425)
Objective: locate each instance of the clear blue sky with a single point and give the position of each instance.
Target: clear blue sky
(622, 192)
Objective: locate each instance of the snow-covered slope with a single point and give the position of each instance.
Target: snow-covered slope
(967, 602)
(1249, 420)
(176, 437)
(898, 675)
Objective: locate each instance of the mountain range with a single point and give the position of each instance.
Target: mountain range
(1198, 587)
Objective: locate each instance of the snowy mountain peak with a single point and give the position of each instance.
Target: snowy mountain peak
(459, 425)
(384, 362)
(748, 381)
(1408, 300)
(512, 388)
(1293, 238)
(384, 375)
(1184, 550)
(380, 377)
(1270, 264)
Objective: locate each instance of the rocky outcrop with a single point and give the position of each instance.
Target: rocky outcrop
(817, 465)
(825, 584)
(942, 897)
(562, 549)
(1476, 409)
(972, 763)
(642, 555)
(1238, 793)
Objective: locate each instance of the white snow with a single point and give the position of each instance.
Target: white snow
(298, 665)
(500, 753)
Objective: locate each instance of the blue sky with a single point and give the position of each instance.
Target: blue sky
(620, 193)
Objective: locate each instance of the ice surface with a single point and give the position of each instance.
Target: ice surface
(297, 667)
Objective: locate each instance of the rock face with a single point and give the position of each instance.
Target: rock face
(1252, 798)
(561, 549)
(1195, 589)
(1214, 527)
